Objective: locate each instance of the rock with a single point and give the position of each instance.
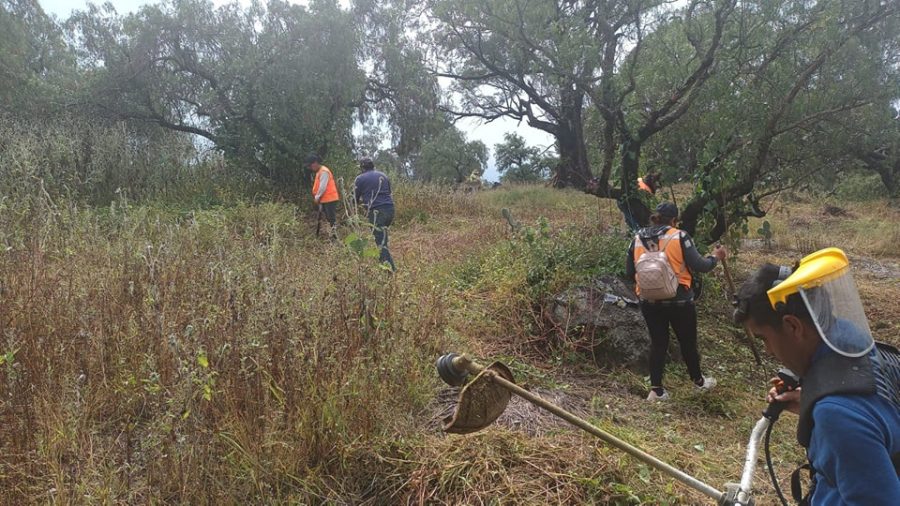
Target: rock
(614, 335)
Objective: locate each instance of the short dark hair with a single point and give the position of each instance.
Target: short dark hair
(312, 157)
(753, 301)
(366, 164)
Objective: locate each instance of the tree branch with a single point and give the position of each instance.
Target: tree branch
(680, 101)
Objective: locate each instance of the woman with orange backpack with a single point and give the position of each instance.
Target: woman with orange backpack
(661, 261)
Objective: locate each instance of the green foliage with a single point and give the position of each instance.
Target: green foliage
(809, 113)
(538, 261)
(362, 247)
(403, 93)
(518, 163)
(449, 157)
(860, 187)
(765, 231)
(36, 65)
(265, 84)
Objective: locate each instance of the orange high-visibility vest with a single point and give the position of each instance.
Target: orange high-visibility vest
(331, 192)
(672, 242)
(644, 186)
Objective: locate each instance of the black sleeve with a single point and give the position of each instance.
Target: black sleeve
(692, 258)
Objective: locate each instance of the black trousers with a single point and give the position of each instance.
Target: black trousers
(380, 219)
(683, 320)
(330, 211)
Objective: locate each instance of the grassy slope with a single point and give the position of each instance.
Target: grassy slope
(226, 356)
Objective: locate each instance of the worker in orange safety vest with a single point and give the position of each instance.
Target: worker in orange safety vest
(324, 190)
(648, 183)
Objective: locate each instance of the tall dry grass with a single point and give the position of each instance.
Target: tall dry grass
(801, 224)
(220, 355)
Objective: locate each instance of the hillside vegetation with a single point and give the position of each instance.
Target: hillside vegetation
(173, 330)
(153, 352)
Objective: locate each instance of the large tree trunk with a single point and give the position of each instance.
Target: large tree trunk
(609, 152)
(890, 176)
(631, 159)
(574, 169)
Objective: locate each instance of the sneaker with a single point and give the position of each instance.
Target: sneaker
(708, 384)
(655, 397)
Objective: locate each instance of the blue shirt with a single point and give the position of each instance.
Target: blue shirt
(853, 438)
(373, 190)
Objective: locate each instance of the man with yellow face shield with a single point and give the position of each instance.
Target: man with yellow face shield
(812, 320)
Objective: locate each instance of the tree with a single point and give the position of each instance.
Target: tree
(401, 94)
(788, 79)
(520, 59)
(633, 109)
(265, 85)
(35, 63)
(543, 61)
(519, 163)
(449, 157)
(767, 116)
(878, 149)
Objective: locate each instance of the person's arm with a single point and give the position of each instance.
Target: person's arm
(323, 184)
(356, 193)
(692, 257)
(851, 453)
(630, 270)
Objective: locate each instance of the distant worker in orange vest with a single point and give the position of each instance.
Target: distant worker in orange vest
(324, 191)
(661, 261)
(648, 183)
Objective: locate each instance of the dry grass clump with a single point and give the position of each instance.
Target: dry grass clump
(502, 467)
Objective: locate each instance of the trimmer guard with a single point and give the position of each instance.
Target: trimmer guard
(480, 402)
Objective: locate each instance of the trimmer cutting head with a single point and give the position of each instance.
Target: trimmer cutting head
(481, 401)
(448, 372)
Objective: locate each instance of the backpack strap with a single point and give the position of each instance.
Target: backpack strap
(669, 237)
(647, 245)
(797, 487)
(638, 240)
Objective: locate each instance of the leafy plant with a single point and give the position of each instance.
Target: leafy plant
(765, 231)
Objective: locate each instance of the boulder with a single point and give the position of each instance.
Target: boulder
(614, 333)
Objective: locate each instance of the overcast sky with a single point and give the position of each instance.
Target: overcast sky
(490, 133)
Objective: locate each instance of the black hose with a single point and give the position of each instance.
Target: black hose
(771, 468)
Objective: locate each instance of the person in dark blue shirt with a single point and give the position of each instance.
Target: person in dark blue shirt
(849, 414)
(372, 189)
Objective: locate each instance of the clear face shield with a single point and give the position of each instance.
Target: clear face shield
(825, 284)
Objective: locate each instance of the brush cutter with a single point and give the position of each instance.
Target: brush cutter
(483, 399)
